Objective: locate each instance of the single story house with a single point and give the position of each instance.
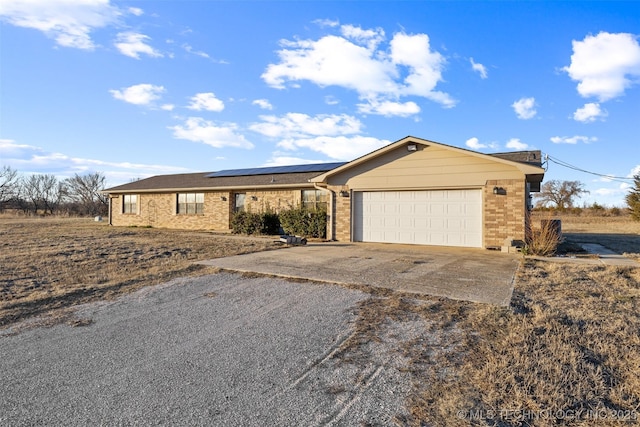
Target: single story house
(412, 191)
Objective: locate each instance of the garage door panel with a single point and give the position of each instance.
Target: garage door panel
(437, 217)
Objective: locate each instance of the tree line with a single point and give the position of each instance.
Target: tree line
(561, 195)
(45, 194)
(80, 194)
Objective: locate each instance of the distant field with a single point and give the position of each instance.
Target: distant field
(565, 352)
(618, 233)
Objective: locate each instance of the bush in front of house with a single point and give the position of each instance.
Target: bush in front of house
(245, 222)
(299, 221)
(296, 221)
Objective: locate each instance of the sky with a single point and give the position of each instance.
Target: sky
(132, 89)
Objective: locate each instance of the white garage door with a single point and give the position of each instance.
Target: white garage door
(435, 217)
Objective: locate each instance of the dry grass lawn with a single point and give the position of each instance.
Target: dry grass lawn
(566, 352)
(50, 265)
(618, 233)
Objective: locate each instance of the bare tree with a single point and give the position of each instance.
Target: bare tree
(9, 186)
(560, 194)
(84, 190)
(43, 192)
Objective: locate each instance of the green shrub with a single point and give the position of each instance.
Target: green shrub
(302, 222)
(270, 223)
(245, 222)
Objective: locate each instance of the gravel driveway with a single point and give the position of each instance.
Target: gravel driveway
(212, 350)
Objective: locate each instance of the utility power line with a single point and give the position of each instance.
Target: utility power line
(570, 166)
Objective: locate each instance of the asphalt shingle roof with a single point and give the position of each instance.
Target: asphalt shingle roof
(192, 181)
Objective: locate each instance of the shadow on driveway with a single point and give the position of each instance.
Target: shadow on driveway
(476, 275)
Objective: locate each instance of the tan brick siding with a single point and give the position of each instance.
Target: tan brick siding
(504, 214)
(340, 221)
(159, 209)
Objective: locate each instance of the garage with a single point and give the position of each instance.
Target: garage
(428, 217)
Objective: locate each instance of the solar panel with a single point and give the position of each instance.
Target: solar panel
(311, 167)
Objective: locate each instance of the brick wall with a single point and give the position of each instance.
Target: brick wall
(504, 213)
(159, 209)
(341, 215)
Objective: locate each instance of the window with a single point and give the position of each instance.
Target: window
(315, 199)
(190, 203)
(239, 202)
(130, 204)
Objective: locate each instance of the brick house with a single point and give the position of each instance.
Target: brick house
(411, 191)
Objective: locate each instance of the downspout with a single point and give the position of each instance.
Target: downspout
(331, 207)
(110, 222)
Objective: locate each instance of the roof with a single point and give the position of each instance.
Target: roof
(310, 167)
(533, 158)
(205, 181)
(529, 162)
(526, 167)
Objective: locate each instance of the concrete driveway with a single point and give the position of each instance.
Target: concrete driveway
(459, 273)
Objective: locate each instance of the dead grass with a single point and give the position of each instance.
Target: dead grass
(565, 352)
(618, 233)
(48, 265)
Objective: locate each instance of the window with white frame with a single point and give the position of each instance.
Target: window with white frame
(315, 199)
(130, 204)
(190, 203)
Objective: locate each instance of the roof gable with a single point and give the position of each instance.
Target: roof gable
(409, 140)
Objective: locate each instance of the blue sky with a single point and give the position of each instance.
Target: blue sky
(139, 88)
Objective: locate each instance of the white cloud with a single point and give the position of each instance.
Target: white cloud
(589, 113)
(605, 65)
(475, 144)
(354, 60)
(206, 101)
(167, 107)
(31, 159)
(389, 108)
(336, 136)
(68, 22)
(525, 108)
(141, 94)
(336, 147)
(136, 11)
(263, 103)
(197, 129)
(573, 139)
(331, 100)
(189, 49)
(288, 160)
(326, 22)
(133, 44)
(298, 125)
(516, 144)
(370, 38)
(479, 68)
